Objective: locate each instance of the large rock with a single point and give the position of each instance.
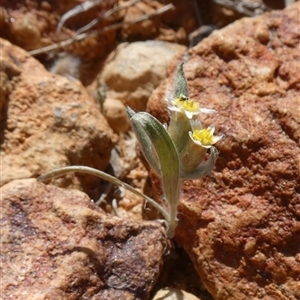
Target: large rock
(47, 121)
(55, 244)
(134, 70)
(241, 224)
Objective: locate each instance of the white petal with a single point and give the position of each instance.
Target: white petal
(174, 108)
(206, 146)
(190, 114)
(207, 110)
(217, 138)
(211, 129)
(169, 99)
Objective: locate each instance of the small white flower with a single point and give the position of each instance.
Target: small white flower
(203, 137)
(188, 106)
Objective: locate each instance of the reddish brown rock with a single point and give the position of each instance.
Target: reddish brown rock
(55, 244)
(47, 121)
(241, 224)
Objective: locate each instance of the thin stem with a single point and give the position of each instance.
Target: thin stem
(173, 210)
(105, 15)
(83, 169)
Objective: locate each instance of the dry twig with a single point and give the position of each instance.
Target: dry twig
(77, 10)
(244, 7)
(81, 35)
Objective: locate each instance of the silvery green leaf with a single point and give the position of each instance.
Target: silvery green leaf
(146, 144)
(160, 152)
(180, 82)
(203, 169)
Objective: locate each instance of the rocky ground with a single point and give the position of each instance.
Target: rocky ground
(63, 103)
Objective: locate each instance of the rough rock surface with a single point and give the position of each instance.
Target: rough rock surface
(47, 121)
(241, 224)
(55, 244)
(134, 70)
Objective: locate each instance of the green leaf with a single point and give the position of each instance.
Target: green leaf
(180, 82)
(146, 144)
(160, 151)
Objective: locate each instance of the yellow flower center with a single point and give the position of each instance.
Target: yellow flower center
(187, 104)
(204, 136)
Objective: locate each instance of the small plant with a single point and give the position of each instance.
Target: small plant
(175, 153)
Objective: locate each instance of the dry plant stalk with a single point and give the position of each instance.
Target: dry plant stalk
(247, 8)
(81, 34)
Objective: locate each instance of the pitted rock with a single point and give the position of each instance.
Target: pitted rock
(56, 244)
(241, 224)
(48, 121)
